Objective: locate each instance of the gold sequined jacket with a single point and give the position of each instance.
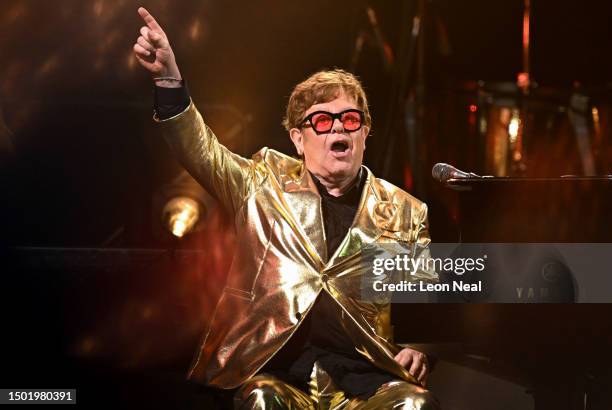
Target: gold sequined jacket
(281, 263)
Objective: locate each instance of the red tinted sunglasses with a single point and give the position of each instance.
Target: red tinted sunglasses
(322, 122)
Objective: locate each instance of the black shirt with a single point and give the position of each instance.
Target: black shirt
(326, 342)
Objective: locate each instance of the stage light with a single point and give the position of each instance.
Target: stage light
(513, 127)
(180, 208)
(596, 124)
(180, 215)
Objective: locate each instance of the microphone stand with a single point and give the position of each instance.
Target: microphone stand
(371, 36)
(523, 82)
(407, 100)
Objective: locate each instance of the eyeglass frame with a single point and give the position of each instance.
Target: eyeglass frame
(334, 117)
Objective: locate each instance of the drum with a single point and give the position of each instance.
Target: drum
(494, 128)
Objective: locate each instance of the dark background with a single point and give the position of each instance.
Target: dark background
(78, 106)
(82, 159)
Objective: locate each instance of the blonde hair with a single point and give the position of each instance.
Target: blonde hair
(324, 86)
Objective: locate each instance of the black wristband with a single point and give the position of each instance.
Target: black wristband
(169, 102)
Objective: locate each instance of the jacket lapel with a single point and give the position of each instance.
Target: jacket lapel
(374, 216)
(304, 201)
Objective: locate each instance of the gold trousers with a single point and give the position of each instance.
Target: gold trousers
(266, 392)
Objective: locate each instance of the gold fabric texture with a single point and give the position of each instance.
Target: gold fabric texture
(266, 392)
(280, 265)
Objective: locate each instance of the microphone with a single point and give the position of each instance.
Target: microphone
(443, 172)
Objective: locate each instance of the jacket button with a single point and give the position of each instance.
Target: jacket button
(325, 277)
(298, 315)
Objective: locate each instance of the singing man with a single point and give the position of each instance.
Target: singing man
(291, 329)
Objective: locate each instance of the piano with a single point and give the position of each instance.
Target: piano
(555, 343)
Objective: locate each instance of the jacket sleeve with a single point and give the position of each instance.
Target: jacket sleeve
(225, 175)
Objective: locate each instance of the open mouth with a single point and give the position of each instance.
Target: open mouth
(339, 146)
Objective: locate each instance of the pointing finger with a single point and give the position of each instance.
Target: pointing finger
(149, 19)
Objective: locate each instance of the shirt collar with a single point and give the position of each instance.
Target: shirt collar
(349, 197)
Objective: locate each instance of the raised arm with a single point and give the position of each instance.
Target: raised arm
(227, 176)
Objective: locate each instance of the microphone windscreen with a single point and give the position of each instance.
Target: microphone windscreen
(441, 172)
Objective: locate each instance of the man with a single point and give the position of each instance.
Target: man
(291, 329)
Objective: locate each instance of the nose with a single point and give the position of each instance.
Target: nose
(337, 126)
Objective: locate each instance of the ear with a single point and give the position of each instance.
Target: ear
(298, 140)
(366, 132)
